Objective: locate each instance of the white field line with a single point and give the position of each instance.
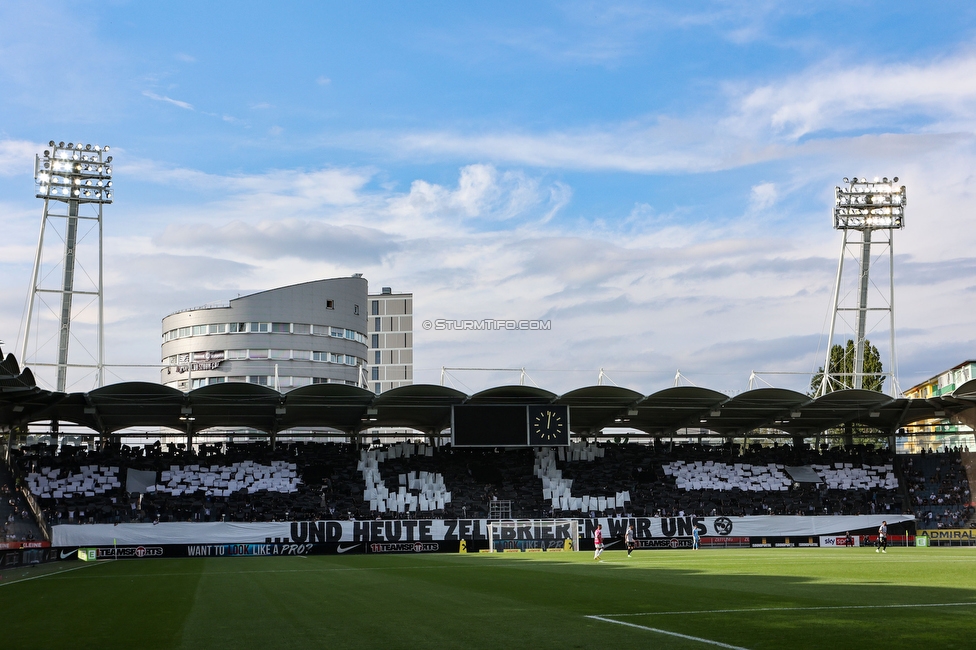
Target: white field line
(687, 637)
(791, 609)
(46, 575)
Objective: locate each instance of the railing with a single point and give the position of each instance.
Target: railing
(37, 512)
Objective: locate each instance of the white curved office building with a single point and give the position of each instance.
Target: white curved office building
(309, 333)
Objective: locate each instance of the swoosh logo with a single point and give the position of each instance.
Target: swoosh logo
(68, 554)
(346, 549)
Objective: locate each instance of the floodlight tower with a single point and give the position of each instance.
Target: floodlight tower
(75, 181)
(866, 208)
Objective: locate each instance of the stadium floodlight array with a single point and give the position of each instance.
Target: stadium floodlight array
(862, 205)
(80, 172)
(865, 207)
(73, 175)
(523, 535)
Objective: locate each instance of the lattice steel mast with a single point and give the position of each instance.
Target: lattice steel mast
(864, 207)
(72, 176)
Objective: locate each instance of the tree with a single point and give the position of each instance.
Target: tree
(842, 369)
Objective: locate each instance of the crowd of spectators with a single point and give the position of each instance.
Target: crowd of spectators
(298, 481)
(939, 487)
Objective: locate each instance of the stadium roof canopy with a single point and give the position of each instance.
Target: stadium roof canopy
(427, 408)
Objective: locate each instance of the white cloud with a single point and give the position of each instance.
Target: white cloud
(17, 157)
(762, 196)
(169, 100)
(844, 98)
(823, 110)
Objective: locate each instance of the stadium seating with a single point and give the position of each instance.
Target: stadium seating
(255, 482)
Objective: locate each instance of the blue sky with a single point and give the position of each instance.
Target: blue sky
(655, 180)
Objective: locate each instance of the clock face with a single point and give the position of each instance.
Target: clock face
(549, 425)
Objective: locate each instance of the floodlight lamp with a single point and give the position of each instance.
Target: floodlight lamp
(846, 180)
(71, 145)
(60, 144)
(87, 147)
(51, 143)
(894, 180)
(106, 147)
(109, 159)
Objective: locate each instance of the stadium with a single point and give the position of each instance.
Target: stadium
(298, 468)
(488, 513)
(375, 347)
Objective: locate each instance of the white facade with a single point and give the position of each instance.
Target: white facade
(309, 333)
(390, 340)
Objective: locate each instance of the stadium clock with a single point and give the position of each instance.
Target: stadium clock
(548, 425)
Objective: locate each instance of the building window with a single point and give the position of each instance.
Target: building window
(184, 331)
(376, 341)
(377, 356)
(301, 328)
(376, 307)
(260, 327)
(303, 355)
(260, 380)
(376, 373)
(281, 328)
(355, 310)
(237, 354)
(377, 324)
(330, 304)
(257, 354)
(337, 332)
(280, 354)
(376, 388)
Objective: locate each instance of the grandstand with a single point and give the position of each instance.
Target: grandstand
(666, 473)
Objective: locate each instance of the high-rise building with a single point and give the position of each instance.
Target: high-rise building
(390, 340)
(309, 333)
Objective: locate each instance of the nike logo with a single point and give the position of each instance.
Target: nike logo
(346, 549)
(68, 554)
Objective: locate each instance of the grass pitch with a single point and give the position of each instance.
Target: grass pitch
(749, 598)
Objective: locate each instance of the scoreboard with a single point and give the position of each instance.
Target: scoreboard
(509, 425)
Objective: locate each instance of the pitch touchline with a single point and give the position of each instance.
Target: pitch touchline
(791, 609)
(687, 637)
(44, 575)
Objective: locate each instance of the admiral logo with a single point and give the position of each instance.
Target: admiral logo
(417, 547)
